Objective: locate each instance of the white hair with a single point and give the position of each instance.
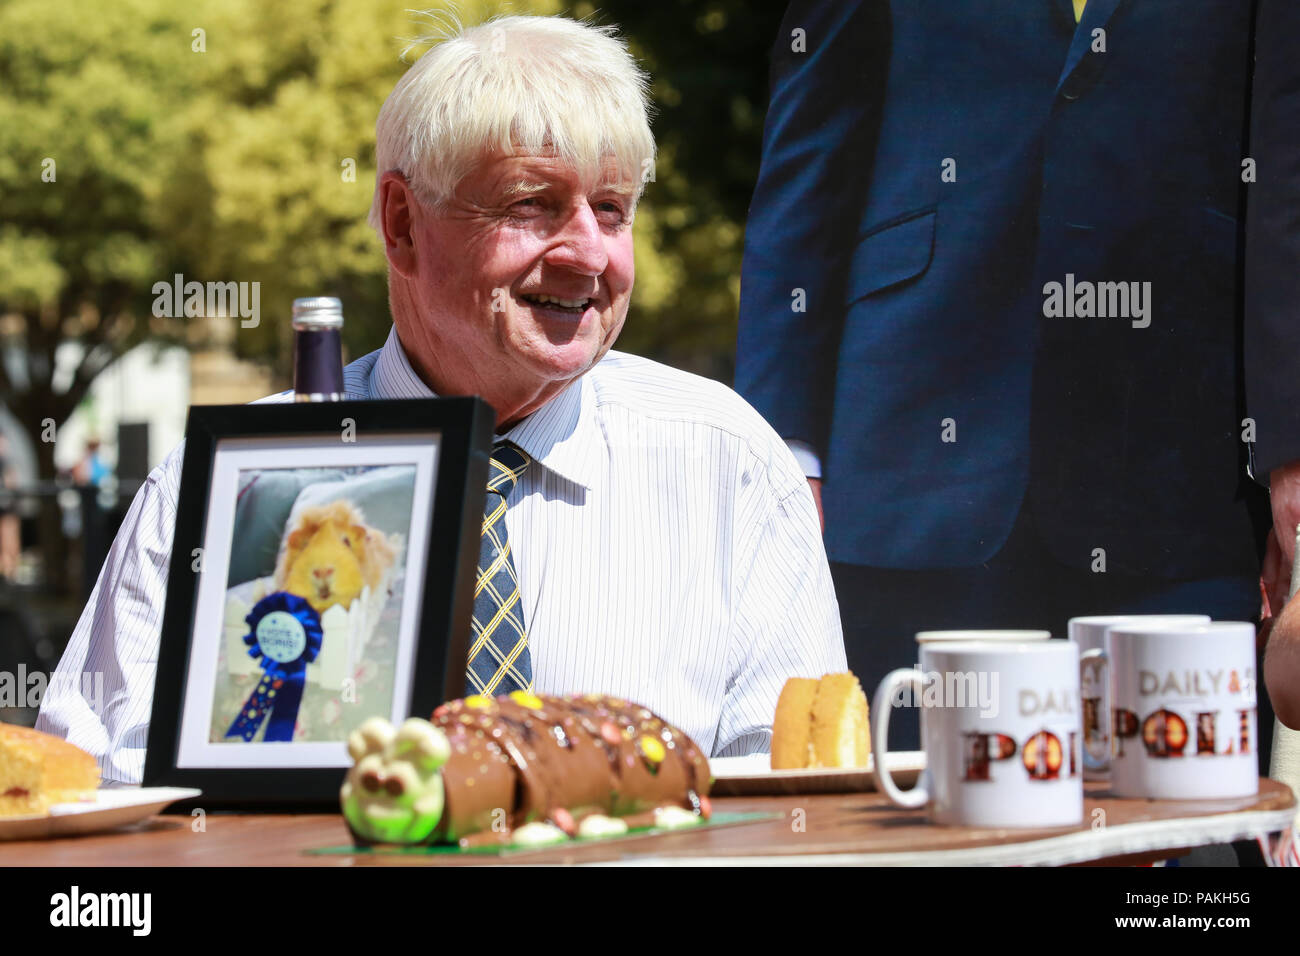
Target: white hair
(518, 85)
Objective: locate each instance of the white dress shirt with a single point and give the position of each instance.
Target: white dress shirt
(806, 456)
(665, 540)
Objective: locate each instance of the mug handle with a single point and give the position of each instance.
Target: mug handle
(918, 796)
(1098, 654)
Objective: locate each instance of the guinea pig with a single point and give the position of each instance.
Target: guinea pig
(329, 555)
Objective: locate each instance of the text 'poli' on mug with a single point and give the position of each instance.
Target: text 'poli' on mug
(1001, 733)
(1094, 691)
(1183, 710)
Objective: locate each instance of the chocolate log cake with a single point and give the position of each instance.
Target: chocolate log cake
(502, 769)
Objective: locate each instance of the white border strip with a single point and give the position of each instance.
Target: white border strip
(1078, 847)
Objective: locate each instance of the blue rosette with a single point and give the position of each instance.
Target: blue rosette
(285, 633)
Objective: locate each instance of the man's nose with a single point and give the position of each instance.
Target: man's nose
(581, 245)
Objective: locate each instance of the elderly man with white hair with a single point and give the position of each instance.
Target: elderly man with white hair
(665, 542)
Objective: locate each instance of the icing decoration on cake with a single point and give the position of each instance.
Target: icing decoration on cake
(394, 792)
(674, 818)
(538, 833)
(599, 825)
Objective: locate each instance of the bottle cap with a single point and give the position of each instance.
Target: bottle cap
(318, 312)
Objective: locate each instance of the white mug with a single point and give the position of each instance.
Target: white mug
(1094, 687)
(1001, 733)
(981, 636)
(1183, 710)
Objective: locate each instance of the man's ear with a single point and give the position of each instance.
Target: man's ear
(397, 213)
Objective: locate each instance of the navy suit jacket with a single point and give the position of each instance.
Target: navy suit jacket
(1110, 152)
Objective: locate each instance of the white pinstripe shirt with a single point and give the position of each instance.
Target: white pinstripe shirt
(665, 539)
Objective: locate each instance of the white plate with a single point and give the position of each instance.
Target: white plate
(752, 775)
(110, 808)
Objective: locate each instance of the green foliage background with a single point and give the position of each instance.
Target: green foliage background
(226, 164)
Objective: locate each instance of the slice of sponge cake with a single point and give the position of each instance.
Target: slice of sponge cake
(792, 745)
(37, 770)
(821, 723)
(840, 733)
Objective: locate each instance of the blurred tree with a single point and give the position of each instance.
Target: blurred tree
(88, 100)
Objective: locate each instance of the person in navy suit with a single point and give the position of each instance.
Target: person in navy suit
(1021, 288)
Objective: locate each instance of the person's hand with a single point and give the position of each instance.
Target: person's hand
(816, 485)
(1274, 577)
(1279, 552)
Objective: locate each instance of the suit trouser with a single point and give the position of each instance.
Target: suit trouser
(1022, 586)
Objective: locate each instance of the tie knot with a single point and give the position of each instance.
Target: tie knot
(507, 466)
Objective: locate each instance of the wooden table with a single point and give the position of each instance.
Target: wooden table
(813, 829)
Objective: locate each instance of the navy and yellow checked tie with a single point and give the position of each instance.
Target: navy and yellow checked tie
(498, 653)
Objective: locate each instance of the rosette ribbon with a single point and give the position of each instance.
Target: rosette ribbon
(285, 632)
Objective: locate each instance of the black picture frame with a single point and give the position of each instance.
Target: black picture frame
(465, 426)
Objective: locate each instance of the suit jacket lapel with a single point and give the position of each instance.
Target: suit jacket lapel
(1096, 14)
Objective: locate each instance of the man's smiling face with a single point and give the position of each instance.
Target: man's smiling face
(520, 282)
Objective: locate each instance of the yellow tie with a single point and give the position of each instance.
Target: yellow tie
(1078, 9)
(499, 661)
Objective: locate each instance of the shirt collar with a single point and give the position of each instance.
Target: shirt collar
(562, 435)
(392, 376)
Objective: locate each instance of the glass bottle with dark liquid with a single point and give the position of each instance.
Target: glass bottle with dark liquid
(318, 350)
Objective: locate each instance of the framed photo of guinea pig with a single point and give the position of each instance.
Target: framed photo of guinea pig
(322, 573)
